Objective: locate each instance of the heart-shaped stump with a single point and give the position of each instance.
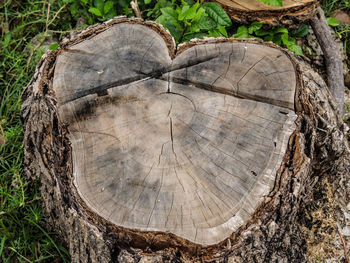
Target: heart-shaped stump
(187, 144)
(220, 150)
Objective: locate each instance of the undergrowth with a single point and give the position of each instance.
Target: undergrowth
(28, 29)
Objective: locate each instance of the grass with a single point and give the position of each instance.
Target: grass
(22, 239)
(343, 31)
(25, 26)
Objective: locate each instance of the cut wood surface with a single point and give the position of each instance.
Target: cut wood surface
(189, 145)
(219, 150)
(290, 13)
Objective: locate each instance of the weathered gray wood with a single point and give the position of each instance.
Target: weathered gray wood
(306, 199)
(291, 13)
(182, 152)
(334, 64)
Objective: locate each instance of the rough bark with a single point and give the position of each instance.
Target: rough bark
(298, 219)
(291, 14)
(334, 64)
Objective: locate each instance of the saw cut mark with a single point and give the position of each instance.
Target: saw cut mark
(189, 145)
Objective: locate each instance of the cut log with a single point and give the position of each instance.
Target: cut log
(208, 151)
(291, 13)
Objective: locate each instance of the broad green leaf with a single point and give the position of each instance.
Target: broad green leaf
(333, 21)
(289, 42)
(191, 12)
(84, 1)
(277, 39)
(112, 13)
(200, 14)
(175, 31)
(268, 38)
(285, 39)
(99, 4)
(302, 31)
(215, 11)
(188, 37)
(148, 1)
(223, 31)
(95, 11)
(272, 2)
(108, 6)
(215, 33)
(169, 20)
(280, 30)
(205, 23)
(54, 46)
(296, 49)
(182, 12)
(262, 32)
(170, 14)
(242, 32)
(255, 26)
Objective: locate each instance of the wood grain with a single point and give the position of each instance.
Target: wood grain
(291, 13)
(189, 145)
(257, 5)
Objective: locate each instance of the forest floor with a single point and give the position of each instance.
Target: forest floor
(28, 29)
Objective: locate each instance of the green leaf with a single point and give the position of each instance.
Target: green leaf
(285, 39)
(242, 32)
(333, 21)
(191, 12)
(272, 2)
(74, 8)
(277, 39)
(289, 42)
(280, 30)
(255, 26)
(200, 14)
(54, 46)
(84, 1)
(215, 11)
(108, 6)
(302, 31)
(95, 11)
(182, 12)
(169, 15)
(223, 31)
(188, 37)
(205, 23)
(268, 38)
(169, 19)
(99, 4)
(261, 32)
(148, 1)
(215, 33)
(296, 49)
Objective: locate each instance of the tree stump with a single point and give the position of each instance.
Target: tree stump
(291, 13)
(212, 151)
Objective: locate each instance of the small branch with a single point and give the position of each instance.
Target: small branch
(344, 247)
(135, 8)
(334, 64)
